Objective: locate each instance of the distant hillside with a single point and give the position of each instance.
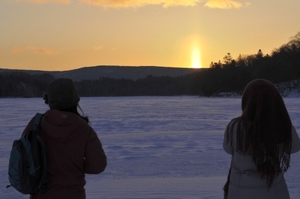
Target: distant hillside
(117, 72)
(221, 82)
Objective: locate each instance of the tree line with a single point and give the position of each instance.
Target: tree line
(232, 75)
(228, 75)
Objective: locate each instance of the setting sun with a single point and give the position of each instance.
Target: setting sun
(196, 60)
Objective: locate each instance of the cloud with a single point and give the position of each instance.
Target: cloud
(221, 4)
(49, 1)
(99, 47)
(225, 4)
(139, 3)
(17, 49)
(42, 51)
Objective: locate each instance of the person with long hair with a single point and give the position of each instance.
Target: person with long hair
(260, 142)
(72, 146)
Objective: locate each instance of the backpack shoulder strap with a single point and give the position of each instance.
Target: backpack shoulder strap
(44, 179)
(37, 121)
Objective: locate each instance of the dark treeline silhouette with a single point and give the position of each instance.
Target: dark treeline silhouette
(149, 86)
(232, 75)
(228, 75)
(21, 84)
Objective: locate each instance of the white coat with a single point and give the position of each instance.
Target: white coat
(245, 181)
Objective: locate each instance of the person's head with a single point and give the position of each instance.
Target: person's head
(62, 95)
(262, 99)
(268, 128)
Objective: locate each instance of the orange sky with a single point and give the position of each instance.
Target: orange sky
(69, 34)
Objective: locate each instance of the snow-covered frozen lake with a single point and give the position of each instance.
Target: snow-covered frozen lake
(157, 147)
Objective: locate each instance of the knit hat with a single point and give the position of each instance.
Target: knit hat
(62, 93)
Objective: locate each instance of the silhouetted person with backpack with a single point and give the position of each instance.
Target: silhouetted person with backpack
(73, 148)
(260, 141)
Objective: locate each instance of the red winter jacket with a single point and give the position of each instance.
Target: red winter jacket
(73, 149)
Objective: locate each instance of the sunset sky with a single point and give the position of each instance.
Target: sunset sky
(69, 34)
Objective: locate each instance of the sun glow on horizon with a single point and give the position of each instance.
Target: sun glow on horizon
(196, 59)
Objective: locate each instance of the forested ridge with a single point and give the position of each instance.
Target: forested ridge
(229, 75)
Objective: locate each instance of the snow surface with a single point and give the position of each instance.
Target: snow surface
(157, 147)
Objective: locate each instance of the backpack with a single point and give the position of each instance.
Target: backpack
(28, 162)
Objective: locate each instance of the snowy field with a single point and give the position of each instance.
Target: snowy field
(157, 147)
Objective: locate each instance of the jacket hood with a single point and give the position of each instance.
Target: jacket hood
(62, 126)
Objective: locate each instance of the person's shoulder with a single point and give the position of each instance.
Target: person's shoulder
(233, 122)
(28, 127)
